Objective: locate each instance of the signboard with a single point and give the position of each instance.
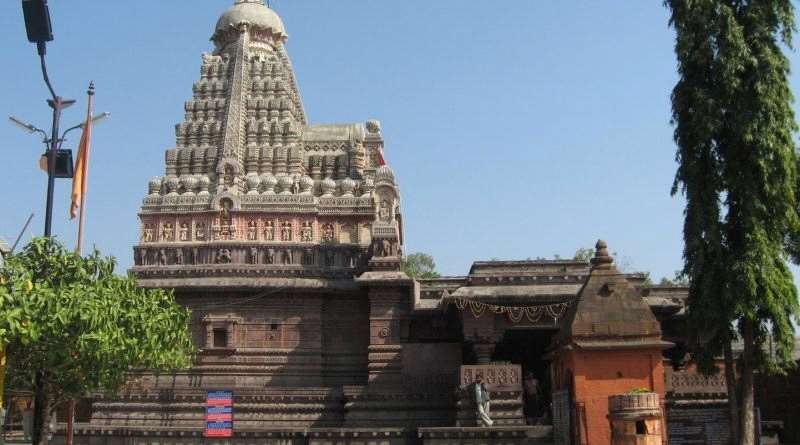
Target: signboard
(219, 414)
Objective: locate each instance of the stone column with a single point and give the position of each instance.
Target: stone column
(388, 309)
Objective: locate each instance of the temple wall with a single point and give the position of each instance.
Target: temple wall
(596, 375)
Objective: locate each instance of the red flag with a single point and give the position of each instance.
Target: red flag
(381, 157)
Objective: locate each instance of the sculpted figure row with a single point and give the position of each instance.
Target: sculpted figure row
(226, 230)
(251, 255)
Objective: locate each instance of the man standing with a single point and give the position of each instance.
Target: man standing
(482, 401)
(531, 385)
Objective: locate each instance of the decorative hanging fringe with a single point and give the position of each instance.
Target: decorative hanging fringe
(515, 314)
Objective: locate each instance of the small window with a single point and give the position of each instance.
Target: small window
(641, 428)
(220, 338)
(273, 324)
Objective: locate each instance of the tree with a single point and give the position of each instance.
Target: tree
(584, 254)
(72, 326)
(679, 279)
(738, 171)
(419, 265)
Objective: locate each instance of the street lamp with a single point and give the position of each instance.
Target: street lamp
(95, 119)
(40, 31)
(64, 165)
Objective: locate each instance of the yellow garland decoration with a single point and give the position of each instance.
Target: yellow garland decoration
(514, 313)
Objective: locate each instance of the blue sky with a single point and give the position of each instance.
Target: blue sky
(516, 129)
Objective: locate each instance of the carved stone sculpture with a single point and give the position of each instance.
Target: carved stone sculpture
(252, 231)
(286, 256)
(269, 231)
(270, 256)
(200, 231)
(223, 256)
(162, 257)
(307, 232)
(384, 213)
(167, 232)
(147, 233)
(286, 231)
(228, 177)
(184, 231)
(253, 256)
(179, 257)
(327, 232)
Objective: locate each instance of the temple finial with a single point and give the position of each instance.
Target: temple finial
(601, 256)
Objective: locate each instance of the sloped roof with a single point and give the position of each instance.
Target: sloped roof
(609, 311)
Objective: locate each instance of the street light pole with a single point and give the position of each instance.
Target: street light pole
(58, 104)
(40, 31)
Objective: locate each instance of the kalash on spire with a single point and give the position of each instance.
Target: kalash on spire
(251, 190)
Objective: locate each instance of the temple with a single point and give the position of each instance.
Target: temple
(285, 239)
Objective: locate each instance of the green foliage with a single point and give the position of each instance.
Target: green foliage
(584, 254)
(419, 265)
(86, 327)
(679, 279)
(640, 391)
(734, 128)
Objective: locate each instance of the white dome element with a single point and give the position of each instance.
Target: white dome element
(253, 182)
(306, 185)
(204, 182)
(285, 184)
(328, 187)
(154, 186)
(173, 184)
(189, 183)
(256, 14)
(269, 182)
(348, 185)
(384, 174)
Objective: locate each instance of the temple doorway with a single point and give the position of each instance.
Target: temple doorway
(527, 347)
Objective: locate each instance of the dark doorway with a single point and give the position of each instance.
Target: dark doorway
(527, 347)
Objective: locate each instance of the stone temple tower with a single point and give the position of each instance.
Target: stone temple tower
(278, 235)
(251, 190)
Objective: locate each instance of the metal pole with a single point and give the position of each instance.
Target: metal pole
(58, 104)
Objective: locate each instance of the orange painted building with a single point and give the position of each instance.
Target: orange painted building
(610, 344)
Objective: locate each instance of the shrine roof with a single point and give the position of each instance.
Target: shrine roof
(609, 310)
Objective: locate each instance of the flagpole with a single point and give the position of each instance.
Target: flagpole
(84, 173)
(84, 182)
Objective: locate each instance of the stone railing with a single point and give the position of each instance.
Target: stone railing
(506, 377)
(692, 383)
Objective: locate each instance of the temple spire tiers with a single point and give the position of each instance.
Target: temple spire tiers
(251, 189)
